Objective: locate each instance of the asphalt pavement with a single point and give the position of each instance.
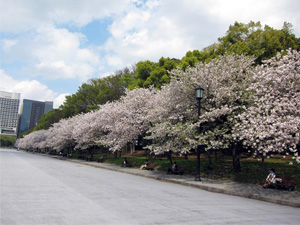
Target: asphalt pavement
(252, 191)
(38, 189)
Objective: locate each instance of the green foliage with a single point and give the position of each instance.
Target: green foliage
(144, 69)
(188, 60)
(94, 93)
(126, 79)
(150, 73)
(251, 39)
(25, 133)
(84, 100)
(7, 141)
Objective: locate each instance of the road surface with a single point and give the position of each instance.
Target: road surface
(39, 190)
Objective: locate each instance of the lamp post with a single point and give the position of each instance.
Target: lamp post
(199, 95)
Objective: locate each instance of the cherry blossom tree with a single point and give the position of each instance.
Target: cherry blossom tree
(25, 142)
(82, 132)
(169, 137)
(116, 123)
(127, 119)
(35, 140)
(224, 81)
(40, 139)
(272, 123)
(93, 126)
(61, 136)
(172, 130)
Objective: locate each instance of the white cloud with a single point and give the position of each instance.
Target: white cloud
(30, 89)
(269, 12)
(20, 16)
(172, 27)
(54, 53)
(6, 81)
(139, 30)
(165, 28)
(59, 100)
(8, 44)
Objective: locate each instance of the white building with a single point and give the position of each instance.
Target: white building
(9, 107)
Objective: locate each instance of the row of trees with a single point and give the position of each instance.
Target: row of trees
(249, 39)
(245, 106)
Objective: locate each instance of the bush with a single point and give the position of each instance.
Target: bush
(7, 141)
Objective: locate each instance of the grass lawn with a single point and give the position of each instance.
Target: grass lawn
(253, 171)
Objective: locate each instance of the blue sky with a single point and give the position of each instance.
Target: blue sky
(49, 48)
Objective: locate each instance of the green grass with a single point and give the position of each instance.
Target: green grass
(252, 171)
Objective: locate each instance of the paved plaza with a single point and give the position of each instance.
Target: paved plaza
(38, 190)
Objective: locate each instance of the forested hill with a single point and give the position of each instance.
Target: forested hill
(250, 39)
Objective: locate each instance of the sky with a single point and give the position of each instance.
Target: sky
(49, 48)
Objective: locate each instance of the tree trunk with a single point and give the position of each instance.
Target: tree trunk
(125, 148)
(132, 149)
(236, 158)
(216, 155)
(186, 156)
(150, 155)
(70, 151)
(263, 159)
(92, 153)
(210, 164)
(170, 157)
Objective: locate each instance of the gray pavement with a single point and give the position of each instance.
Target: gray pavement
(38, 190)
(252, 191)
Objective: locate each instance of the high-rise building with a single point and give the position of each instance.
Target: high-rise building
(9, 107)
(31, 112)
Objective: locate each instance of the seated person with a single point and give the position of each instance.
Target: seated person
(101, 159)
(125, 162)
(271, 179)
(145, 165)
(174, 168)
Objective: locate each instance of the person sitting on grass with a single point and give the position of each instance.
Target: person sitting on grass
(125, 162)
(145, 165)
(271, 179)
(174, 169)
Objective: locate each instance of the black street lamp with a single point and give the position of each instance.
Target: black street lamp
(199, 95)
